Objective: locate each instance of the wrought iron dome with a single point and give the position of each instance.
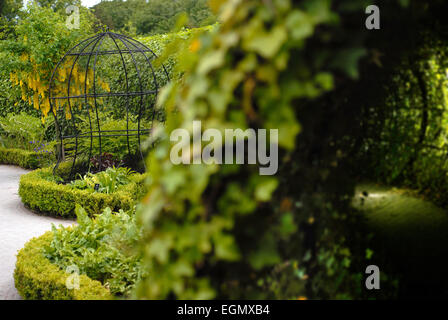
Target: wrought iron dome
(102, 94)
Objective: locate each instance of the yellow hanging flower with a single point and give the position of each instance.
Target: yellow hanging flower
(36, 101)
(46, 107)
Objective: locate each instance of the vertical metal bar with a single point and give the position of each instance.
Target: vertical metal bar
(127, 91)
(86, 99)
(94, 97)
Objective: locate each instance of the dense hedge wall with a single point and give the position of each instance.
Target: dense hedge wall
(37, 278)
(22, 158)
(58, 199)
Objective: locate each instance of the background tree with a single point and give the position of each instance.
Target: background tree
(57, 5)
(151, 17)
(9, 12)
(40, 40)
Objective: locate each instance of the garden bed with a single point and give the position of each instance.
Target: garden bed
(37, 278)
(44, 193)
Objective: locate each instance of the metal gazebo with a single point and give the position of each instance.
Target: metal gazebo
(102, 94)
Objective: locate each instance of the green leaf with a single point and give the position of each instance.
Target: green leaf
(266, 254)
(265, 187)
(268, 44)
(300, 25)
(369, 253)
(347, 59)
(210, 61)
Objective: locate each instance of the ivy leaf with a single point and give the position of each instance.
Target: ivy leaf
(265, 188)
(267, 44)
(266, 254)
(210, 61)
(300, 25)
(369, 253)
(346, 60)
(225, 247)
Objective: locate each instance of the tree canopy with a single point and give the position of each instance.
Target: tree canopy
(150, 17)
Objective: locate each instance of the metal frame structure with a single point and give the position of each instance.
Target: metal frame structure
(90, 51)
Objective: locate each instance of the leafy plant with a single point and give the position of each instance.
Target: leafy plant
(107, 161)
(102, 249)
(36, 278)
(107, 181)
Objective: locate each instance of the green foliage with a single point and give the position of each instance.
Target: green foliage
(25, 159)
(41, 191)
(9, 11)
(102, 248)
(39, 40)
(214, 231)
(116, 145)
(36, 278)
(412, 148)
(23, 129)
(57, 5)
(108, 181)
(152, 17)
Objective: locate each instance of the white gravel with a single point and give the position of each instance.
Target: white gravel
(17, 226)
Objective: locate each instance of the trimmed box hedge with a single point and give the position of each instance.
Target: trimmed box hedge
(52, 198)
(36, 278)
(22, 158)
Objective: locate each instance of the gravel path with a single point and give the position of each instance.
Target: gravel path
(17, 226)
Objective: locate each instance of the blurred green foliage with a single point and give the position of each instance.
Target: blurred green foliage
(224, 231)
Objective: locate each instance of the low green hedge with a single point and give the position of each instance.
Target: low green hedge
(23, 158)
(36, 278)
(52, 198)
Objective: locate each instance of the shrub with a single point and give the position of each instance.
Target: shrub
(25, 159)
(102, 248)
(22, 128)
(41, 191)
(36, 278)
